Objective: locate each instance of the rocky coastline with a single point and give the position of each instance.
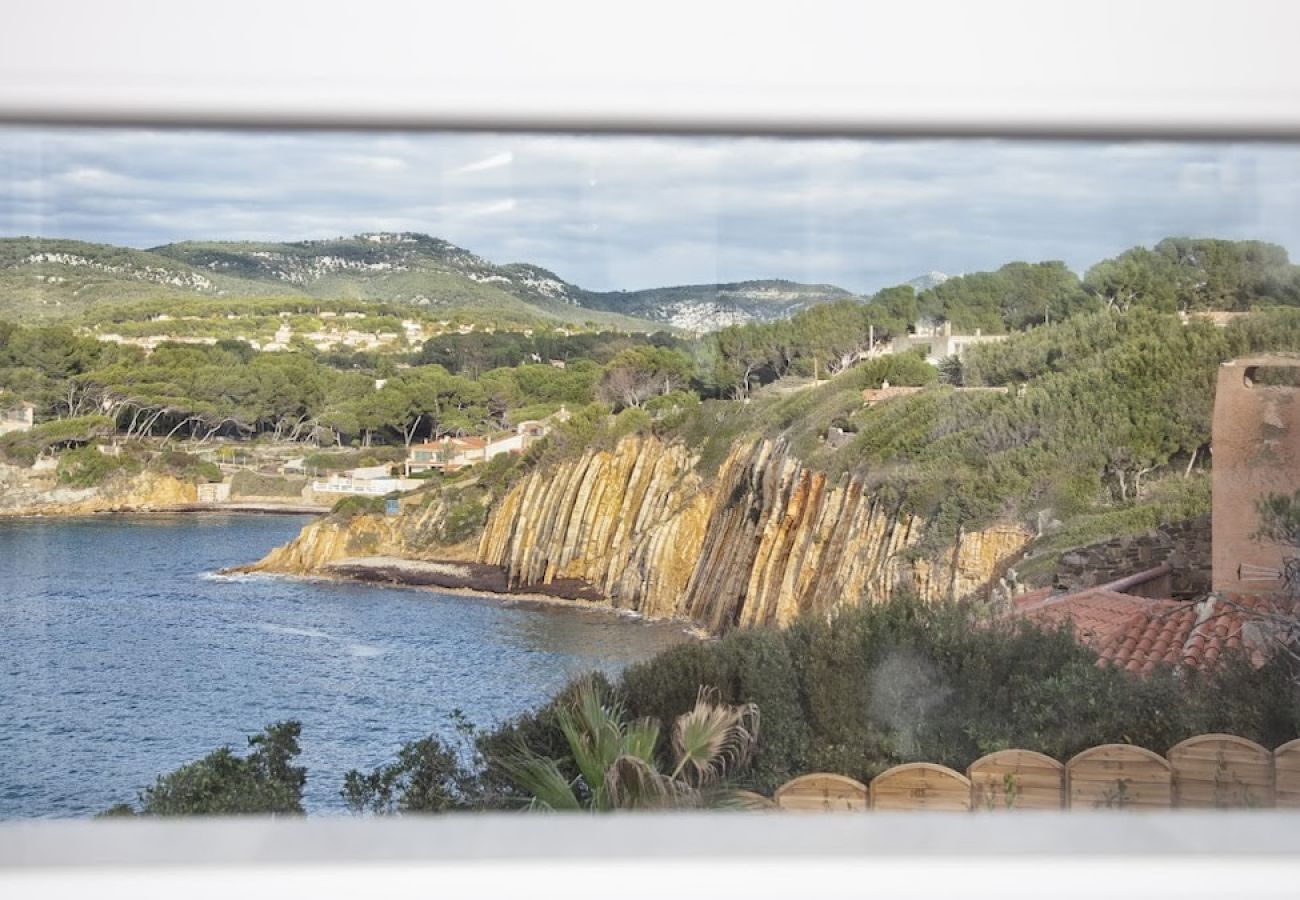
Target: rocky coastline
(636, 528)
(28, 494)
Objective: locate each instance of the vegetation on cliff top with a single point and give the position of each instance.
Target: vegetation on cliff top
(1088, 416)
(1089, 413)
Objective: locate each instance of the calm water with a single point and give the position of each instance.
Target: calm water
(122, 657)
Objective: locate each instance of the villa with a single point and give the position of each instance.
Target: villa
(369, 481)
(940, 342)
(450, 454)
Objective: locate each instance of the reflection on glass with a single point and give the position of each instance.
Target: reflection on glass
(863, 474)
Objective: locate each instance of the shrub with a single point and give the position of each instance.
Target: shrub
(899, 682)
(186, 465)
(352, 506)
(428, 776)
(247, 483)
(223, 783)
(87, 467)
(464, 518)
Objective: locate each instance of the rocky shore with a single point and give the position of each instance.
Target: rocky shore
(25, 493)
(469, 579)
(474, 577)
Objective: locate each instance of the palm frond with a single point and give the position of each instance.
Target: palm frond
(640, 738)
(713, 737)
(541, 777)
(593, 729)
(633, 783)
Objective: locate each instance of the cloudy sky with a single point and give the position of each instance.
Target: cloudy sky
(629, 212)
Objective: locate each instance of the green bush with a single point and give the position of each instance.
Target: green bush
(247, 483)
(223, 783)
(24, 447)
(900, 682)
(87, 467)
(17, 449)
(355, 505)
(188, 466)
(339, 461)
(463, 520)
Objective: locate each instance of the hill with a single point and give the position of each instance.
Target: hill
(54, 279)
(708, 307)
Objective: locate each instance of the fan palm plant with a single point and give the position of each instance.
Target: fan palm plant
(616, 763)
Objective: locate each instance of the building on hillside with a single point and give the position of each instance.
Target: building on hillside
(369, 481)
(450, 454)
(447, 454)
(20, 417)
(939, 342)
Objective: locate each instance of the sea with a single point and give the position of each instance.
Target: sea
(124, 653)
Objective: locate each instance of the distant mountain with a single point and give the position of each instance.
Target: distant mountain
(43, 278)
(927, 281)
(708, 307)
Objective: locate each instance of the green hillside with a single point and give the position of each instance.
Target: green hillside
(44, 279)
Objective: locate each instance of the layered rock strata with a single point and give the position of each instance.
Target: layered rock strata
(764, 541)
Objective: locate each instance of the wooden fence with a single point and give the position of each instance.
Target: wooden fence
(1210, 771)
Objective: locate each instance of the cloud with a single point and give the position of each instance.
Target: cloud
(613, 212)
(375, 163)
(92, 177)
(495, 161)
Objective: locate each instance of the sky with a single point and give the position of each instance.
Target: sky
(628, 212)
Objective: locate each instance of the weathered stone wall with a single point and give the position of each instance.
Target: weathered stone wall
(1256, 445)
(1185, 545)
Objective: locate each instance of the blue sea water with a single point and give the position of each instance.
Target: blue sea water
(123, 655)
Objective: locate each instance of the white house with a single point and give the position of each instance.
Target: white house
(941, 342)
(17, 418)
(371, 481)
(452, 453)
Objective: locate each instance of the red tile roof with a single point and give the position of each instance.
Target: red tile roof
(1139, 634)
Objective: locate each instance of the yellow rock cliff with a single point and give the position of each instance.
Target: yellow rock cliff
(764, 541)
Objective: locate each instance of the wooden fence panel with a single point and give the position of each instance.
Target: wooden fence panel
(1286, 762)
(1119, 776)
(920, 786)
(1016, 779)
(823, 792)
(1221, 771)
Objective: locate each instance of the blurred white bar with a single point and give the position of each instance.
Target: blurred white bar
(1211, 878)
(1188, 854)
(1159, 68)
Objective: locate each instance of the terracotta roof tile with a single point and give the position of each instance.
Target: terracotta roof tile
(1139, 634)
(1031, 599)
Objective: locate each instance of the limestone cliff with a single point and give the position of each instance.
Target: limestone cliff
(144, 492)
(412, 535)
(762, 542)
(767, 540)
